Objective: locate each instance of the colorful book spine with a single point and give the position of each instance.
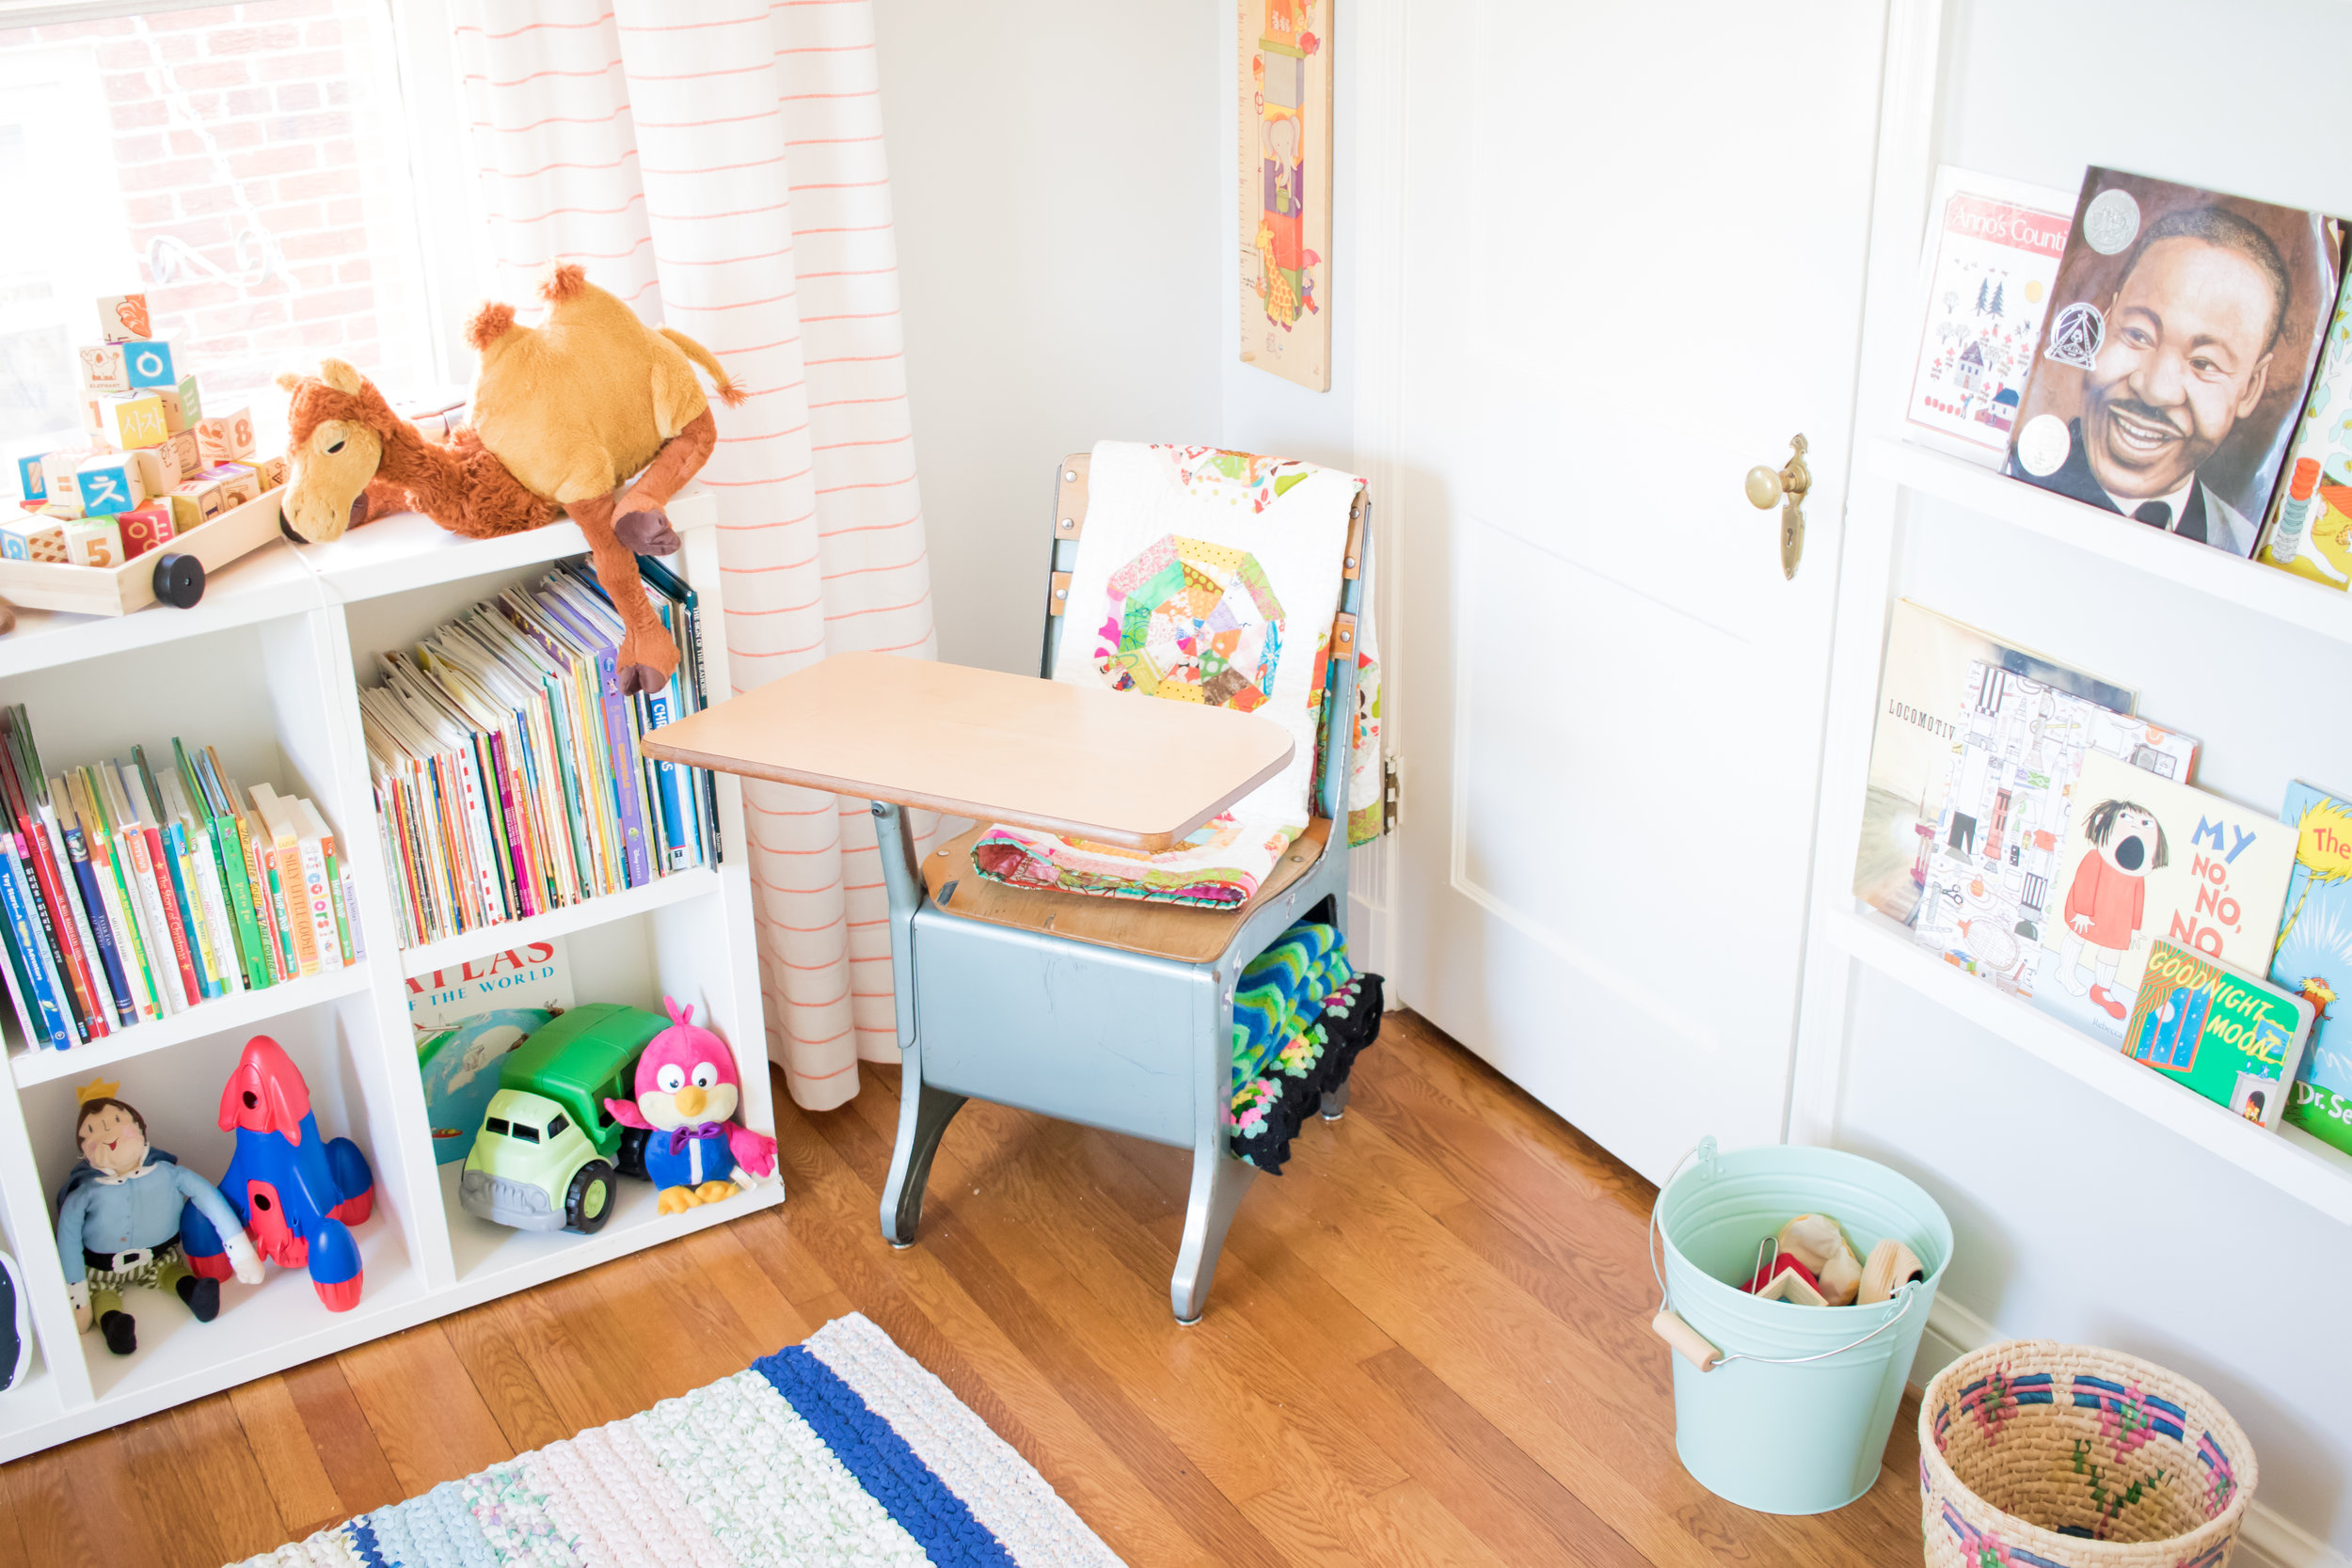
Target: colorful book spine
(228, 844)
(101, 930)
(40, 973)
(169, 963)
(168, 889)
(114, 891)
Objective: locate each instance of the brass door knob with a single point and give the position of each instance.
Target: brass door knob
(1784, 487)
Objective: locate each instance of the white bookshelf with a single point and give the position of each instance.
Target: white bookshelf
(266, 668)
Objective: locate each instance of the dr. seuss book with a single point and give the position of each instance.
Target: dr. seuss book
(1992, 254)
(2314, 959)
(2231, 1037)
(2311, 520)
(2002, 826)
(2180, 339)
(1920, 722)
(2148, 861)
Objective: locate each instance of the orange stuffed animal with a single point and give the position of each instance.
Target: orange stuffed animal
(564, 414)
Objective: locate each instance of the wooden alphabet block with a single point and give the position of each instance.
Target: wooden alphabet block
(103, 368)
(123, 318)
(237, 482)
(181, 458)
(146, 527)
(193, 503)
(32, 539)
(136, 420)
(226, 438)
(94, 542)
(147, 362)
(29, 481)
(109, 484)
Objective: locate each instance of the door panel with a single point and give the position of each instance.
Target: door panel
(1614, 697)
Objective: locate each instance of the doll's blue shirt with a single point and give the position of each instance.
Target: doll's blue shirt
(141, 1210)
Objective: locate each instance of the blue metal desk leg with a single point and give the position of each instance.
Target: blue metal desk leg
(924, 1112)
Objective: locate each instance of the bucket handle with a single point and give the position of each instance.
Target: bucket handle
(1696, 1347)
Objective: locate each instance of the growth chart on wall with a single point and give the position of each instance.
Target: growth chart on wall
(1285, 187)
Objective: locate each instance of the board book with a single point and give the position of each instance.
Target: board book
(1920, 720)
(2231, 1037)
(2147, 860)
(1991, 255)
(1995, 859)
(2313, 958)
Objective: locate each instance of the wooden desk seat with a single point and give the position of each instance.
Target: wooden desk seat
(1184, 932)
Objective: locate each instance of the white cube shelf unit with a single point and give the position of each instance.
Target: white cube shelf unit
(266, 668)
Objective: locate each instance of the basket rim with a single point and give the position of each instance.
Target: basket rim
(2224, 1426)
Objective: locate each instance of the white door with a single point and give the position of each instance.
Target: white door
(1635, 239)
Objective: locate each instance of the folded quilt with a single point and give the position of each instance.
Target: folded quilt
(1217, 867)
(1203, 576)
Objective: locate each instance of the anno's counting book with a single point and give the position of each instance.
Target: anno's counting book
(2314, 959)
(2231, 1037)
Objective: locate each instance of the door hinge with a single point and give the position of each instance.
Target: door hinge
(1391, 792)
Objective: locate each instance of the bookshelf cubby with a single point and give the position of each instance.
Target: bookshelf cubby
(266, 668)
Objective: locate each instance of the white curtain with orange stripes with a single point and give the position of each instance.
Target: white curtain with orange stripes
(719, 166)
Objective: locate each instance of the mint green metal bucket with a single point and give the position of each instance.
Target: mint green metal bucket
(1794, 1414)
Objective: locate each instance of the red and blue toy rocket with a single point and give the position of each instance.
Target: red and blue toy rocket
(297, 1191)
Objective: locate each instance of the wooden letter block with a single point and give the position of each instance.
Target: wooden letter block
(180, 459)
(106, 485)
(237, 483)
(94, 542)
(195, 502)
(271, 472)
(102, 369)
(136, 420)
(226, 438)
(147, 362)
(146, 527)
(29, 481)
(32, 539)
(123, 318)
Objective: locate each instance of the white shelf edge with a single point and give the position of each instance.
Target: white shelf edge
(393, 555)
(676, 888)
(218, 1016)
(2265, 590)
(2290, 1159)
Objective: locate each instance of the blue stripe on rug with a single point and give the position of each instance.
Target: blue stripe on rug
(883, 1463)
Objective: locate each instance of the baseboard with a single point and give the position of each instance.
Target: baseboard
(2267, 1541)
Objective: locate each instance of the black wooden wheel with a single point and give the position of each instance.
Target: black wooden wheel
(179, 579)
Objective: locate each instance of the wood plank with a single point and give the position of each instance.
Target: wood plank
(1082, 761)
(1426, 1345)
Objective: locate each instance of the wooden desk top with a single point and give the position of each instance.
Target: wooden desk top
(1102, 765)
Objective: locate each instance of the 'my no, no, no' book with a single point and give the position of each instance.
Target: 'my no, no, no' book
(2314, 959)
(2147, 861)
(2231, 1037)
(1993, 253)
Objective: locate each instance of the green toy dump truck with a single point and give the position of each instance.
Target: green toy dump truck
(548, 1150)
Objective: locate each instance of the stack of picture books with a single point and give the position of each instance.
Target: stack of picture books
(507, 775)
(134, 890)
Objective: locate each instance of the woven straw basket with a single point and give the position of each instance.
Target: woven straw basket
(2034, 1454)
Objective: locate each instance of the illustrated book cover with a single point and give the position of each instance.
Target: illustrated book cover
(1920, 721)
(466, 1016)
(2001, 829)
(2175, 353)
(1991, 256)
(2231, 1037)
(2310, 532)
(2146, 860)
(2313, 958)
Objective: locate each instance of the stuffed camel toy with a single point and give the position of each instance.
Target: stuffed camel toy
(564, 414)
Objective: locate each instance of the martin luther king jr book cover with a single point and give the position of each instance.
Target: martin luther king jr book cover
(2179, 342)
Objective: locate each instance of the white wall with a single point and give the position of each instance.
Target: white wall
(2075, 1218)
(1056, 199)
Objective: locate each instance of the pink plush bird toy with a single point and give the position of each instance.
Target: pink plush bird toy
(687, 1097)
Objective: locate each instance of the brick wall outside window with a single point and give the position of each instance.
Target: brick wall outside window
(260, 146)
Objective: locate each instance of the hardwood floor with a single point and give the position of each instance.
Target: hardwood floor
(1428, 1343)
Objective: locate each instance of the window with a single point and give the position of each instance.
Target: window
(555, 1128)
(247, 167)
(528, 1135)
(498, 1125)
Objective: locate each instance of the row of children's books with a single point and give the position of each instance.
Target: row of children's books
(506, 762)
(2031, 828)
(134, 892)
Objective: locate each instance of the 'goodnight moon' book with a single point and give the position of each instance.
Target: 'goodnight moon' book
(2231, 1037)
(2314, 959)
